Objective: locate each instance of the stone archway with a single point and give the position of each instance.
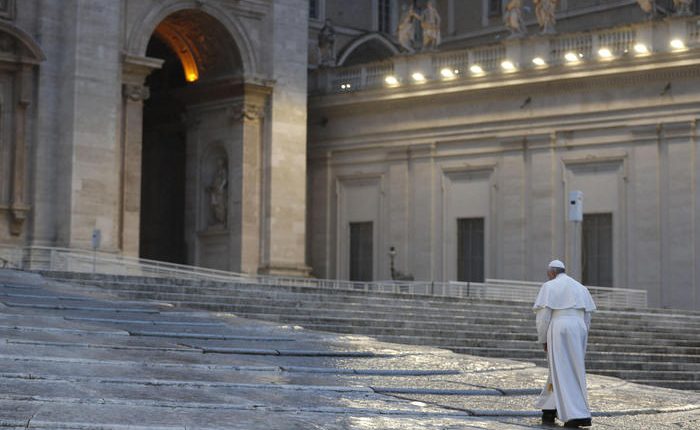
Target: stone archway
(197, 97)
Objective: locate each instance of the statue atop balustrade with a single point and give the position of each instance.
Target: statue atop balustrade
(419, 28)
(546, 10)
(514, 20)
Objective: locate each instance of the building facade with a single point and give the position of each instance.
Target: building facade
(177, 129)
(331, 138)
(457, 163)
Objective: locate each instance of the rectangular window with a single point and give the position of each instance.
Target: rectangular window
(361, 251)
(495, 8)
(470, 250)
(313, 9)
(384, 15)
(597, 250)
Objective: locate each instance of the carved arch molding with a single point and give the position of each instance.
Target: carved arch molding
(19, 57)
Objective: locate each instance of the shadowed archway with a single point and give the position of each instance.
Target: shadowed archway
(197, 51)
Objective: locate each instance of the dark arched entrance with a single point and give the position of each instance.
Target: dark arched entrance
(163, 161)
(178, 204)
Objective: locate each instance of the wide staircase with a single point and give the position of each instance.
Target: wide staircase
(650, 346)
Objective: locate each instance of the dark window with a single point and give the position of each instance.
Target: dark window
(495, 8)
(313, 9)
(384, 16)
(597, 250)
(470, 249)
(361, 255)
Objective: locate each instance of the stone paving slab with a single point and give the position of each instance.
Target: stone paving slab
(68, 368)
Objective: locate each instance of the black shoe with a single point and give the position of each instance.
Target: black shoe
(578, 422)
(548, 416)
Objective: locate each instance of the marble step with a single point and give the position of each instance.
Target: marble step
(197, 286)
(254, 305)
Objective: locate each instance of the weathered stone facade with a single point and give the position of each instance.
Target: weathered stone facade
(507, 146)
(138, 117)
(73, 115)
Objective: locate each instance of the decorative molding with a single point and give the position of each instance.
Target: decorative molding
(467, 169)
(594, 159)
(135, 93)
(18, 214)
(135, 69)
(246, 112)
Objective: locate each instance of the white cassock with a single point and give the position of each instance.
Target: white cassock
(564, 308)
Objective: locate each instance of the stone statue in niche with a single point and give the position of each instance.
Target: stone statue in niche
(407, 29)
(546, 10)
(513, 19)
(430, 24)
(326, 45)
(683, 7)
(218, 194)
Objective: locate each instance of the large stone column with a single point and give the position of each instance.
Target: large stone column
(134, 72)
(247, 177)
(284, 217)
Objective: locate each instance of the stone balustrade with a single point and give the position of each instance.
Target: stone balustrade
(514, 57)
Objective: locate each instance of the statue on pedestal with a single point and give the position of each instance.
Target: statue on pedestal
(546, 15)
(430, 23)
(419, 30)
(326, 45)
(683, 7)
(513, 19)
(218, 194)
(406, 31)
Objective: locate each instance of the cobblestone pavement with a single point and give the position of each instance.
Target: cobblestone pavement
(76, 358)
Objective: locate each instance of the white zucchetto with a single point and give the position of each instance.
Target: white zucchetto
(556, 264)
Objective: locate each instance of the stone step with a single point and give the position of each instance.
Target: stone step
(130, 280)
(534, 355)
(411, 307)
(253, 305)
(638, 345)
(325, 322)
(311, 292)
(676, 385)
(652, 374)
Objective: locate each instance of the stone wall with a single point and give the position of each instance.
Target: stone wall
(443, 152)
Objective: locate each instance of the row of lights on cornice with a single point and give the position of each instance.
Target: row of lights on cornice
(508, 66)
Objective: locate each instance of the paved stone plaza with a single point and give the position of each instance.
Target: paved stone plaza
(75, 358)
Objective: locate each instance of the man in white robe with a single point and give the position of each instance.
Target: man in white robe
(564, 308)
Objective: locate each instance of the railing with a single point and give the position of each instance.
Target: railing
(552, 51)
(579, 44)
(619, 41)
(489, 57)
(72, 260)
(75, 260)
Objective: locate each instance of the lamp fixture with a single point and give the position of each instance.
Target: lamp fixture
(508, 66)
(418, 77)
(677, 45)
(391, 80)
(449, 73)
(571, 57)
(641, 49)
(605, 53)
(476, 69)
(539, 62)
